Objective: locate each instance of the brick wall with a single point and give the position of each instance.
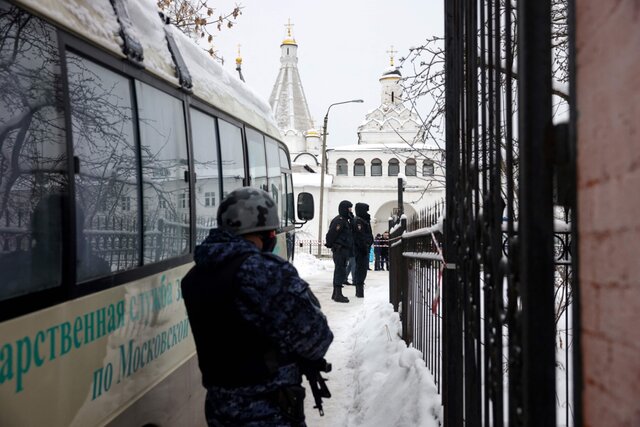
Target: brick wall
(608, 101)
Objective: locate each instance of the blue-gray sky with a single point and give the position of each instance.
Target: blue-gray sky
(342, 49)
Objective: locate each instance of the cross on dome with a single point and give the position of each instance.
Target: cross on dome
(239, 58)
(289, 25)
(391, 52)
(289, 40)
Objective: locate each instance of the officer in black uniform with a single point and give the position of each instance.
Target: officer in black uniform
(340, 239)
(363, 239)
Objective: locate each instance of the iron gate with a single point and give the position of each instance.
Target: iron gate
(509, 181)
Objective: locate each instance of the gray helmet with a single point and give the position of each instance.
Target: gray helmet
(248, 210)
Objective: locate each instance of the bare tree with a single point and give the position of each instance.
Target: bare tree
(197, 19)
(424, 90)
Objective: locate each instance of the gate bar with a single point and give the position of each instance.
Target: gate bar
(536, 213)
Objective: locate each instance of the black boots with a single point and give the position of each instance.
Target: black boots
(360, 291)
(337, 295)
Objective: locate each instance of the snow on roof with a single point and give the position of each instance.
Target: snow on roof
(430, 145)
(226, 91)
(310, 180)
(96, 21)
(157, 58)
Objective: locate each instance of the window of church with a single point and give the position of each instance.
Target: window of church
(376, 167)
(394, 167)
(342, 167)
(358, 168)
(427, 168)
(410, 167)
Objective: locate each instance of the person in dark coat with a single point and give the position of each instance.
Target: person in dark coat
(362, 241)
(384, 251)
(256, 324)
(376, 252)
(340, 239)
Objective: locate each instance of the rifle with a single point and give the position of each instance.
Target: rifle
(318, 386)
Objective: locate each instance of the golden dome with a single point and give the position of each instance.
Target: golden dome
(289, 42)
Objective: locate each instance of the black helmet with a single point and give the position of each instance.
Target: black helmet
(248, 210)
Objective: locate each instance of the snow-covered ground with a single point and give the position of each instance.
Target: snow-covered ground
(376, 380)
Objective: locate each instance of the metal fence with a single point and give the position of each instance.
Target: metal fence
(311, 247)
(509, 175)
(417, 266)
(416, 262)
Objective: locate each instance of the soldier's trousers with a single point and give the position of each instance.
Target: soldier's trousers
(362, 265)
(340, 258)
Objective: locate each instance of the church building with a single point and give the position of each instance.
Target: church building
(389, 145)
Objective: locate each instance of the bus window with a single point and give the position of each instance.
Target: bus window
(33, 159)
(205, 163)
(290, 208)
(284, 160)
(232, 156)
(275, 182)
(257, 159)
(106, 227)
(164, 162)
(287, 207)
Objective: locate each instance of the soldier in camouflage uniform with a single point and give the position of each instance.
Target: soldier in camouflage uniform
(255, 322)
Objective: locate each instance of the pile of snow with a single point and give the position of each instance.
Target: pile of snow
(392, 386)
(308, 265)
(377, 380)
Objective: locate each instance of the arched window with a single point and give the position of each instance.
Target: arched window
(376, 167)
(394, 167)
(358, 168)
(342, 167)
(427, 168)
(410, 167)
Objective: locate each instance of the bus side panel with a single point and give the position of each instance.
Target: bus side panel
(81, 362)
(176, 401)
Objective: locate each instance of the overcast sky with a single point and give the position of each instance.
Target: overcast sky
(342, 49)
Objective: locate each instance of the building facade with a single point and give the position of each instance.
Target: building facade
(389, 151)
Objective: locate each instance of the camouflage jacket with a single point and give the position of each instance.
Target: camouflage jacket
(275, 305)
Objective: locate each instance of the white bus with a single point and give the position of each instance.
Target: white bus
(118, 139)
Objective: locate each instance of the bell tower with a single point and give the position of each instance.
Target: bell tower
(288, 100)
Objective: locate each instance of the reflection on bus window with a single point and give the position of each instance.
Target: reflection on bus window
(290, 208)
(232, 156)
(106, 183)
(275, 181)
(284, 160)
(287, 216)
(32, 156)
(205, 163)
(164, 163)
(257, 159)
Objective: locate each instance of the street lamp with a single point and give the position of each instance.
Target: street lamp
(324, 168)
(402, 181)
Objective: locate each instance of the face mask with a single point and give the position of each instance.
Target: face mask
(269, 241)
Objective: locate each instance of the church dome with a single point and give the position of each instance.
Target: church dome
(391, 73)
(289, 41)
